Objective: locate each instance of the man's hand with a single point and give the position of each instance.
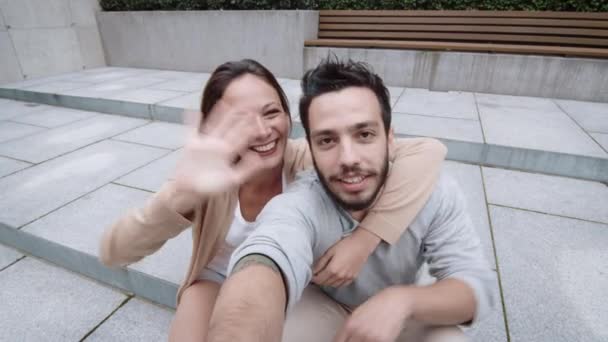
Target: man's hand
(341, 264)
(380, 319)
(218, 158)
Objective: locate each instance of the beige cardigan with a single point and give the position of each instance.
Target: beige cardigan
(142, 231)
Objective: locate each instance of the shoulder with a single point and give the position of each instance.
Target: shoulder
(444, 200)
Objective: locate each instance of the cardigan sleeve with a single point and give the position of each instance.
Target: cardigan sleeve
(415, 170)
(142, 231)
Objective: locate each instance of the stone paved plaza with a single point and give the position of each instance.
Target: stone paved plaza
(67, 173)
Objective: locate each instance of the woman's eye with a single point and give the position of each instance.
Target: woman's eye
(272, 113)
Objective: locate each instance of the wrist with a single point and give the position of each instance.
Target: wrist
(367, 239)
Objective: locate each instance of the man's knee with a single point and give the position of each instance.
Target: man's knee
(316, 317)
(445, 334)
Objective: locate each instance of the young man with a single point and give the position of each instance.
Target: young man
(346, 114)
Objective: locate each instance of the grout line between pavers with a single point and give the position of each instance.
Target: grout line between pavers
(12, 263)
(142, 144)
(580, 126)
(124, 302)
(550, 214)
(131, 187)
(483, 133)
(498, 275)
(24, 123)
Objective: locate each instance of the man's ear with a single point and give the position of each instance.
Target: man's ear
(391, 144)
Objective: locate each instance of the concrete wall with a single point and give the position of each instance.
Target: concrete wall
(201, 40)
(46, 37)
(544, 76)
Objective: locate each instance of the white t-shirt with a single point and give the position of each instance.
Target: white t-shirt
(238, 232)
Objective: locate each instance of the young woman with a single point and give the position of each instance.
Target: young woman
(244, 138)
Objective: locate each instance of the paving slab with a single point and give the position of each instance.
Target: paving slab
(101, 90)
(137, 320)
(449, 104)
(54, 117)
(8, 166)
(469, 179)
(41, 302)
(146, 96)
(189, 101)
(79, 225)
(186, 85)
(175, 75)
(105, 75)
(57, 141)
(524, 102)
(548, 194)
(13, 130)
(40, 189)
(8, 255)
(592, 116)
(10, 108)
(171, 262)
(536, 129)
(601, 139)
(152, 176)
(554, 274)
(158, 134)
(421, 125)
(57, 86)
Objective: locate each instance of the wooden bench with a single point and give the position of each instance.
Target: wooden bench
(519, 32)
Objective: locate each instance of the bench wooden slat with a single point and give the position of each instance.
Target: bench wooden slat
(467, 28)
(447, 36)
(470, 47)
(472, 13)
(467, 21)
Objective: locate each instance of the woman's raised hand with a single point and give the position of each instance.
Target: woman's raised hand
(216, 156)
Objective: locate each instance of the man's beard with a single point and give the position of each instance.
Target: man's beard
(358, 205)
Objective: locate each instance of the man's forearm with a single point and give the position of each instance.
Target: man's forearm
(250, 305)
(447, 302)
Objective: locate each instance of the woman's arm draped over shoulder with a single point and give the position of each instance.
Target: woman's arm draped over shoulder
(143, 231)
(416, 166)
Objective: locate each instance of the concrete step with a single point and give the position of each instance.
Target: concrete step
(557, 137)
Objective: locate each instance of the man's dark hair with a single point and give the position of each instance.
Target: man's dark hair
(334, 75)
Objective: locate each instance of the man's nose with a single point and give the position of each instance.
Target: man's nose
(349, 156)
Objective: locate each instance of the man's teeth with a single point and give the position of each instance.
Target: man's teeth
(264, 148)
(353, 180)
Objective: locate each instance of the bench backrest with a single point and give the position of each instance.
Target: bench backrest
(570, 29)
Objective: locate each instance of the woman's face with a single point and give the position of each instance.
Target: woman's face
(251, 95)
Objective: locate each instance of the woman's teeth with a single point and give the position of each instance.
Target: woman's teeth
(264, 148)
(353, 180)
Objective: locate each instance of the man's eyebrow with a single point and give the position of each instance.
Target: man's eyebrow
(352, 128)
(365, 124)
(321, 132)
